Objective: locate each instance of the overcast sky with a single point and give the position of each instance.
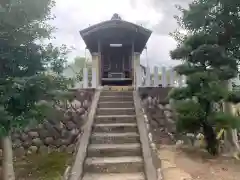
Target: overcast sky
(157, 15)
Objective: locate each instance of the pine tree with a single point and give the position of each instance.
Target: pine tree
(210, 56)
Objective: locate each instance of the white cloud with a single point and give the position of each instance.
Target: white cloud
(74, 15)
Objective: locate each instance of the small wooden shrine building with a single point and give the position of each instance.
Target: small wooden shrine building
(115, 46)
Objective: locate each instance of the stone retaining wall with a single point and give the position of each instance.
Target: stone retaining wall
(162, 132)
(59, 131)
(159, 112)
(157, 94)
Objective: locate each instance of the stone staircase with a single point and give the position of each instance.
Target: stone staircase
(114, 151)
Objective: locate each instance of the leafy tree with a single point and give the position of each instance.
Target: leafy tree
(23, 65)
(79, 64)
(210, 56)
(80, 61)
(55, 57)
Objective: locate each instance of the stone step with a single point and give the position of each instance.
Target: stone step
(115, 127)
(124, 164)
(115, 119)
(115, 138)
(119, 104)
(118, 88)
(113, 150)
(115, 98)
(116, 111)
(116, 93)
(114, 176)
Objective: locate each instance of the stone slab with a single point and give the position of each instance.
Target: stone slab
(125, 164)
(115, 176)
(114, 150)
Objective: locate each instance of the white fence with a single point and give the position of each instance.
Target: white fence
(159, 76)
(89, 81)
(167, 77)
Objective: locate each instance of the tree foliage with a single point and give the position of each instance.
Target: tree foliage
(210, 56)
(78, 65)
(24, 66)
(24, 82)
(55, 58)
(24, 21)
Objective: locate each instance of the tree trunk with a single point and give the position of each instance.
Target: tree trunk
(8, 171)
(211, 139)
(235, 139)
(228, 145)
(231, 144)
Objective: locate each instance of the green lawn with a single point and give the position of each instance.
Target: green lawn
(42, 167)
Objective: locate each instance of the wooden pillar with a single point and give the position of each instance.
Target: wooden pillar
(99, 63)
(133, 65)
(138, 77)
(96, 65)
(94, 78)
(137, 70)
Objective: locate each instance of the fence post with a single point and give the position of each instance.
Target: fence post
(94, 78)
(148, 77)
(156, 76)
(172, 77)
(164, 77)
(85, 78)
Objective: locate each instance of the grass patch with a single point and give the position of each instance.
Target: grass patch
(42, 166)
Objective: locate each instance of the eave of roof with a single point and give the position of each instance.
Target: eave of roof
(116, 23)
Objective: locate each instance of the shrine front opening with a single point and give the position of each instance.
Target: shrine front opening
(116, 62)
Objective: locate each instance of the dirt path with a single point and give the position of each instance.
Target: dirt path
(192, 164)
(170, 170)
(201, 166)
